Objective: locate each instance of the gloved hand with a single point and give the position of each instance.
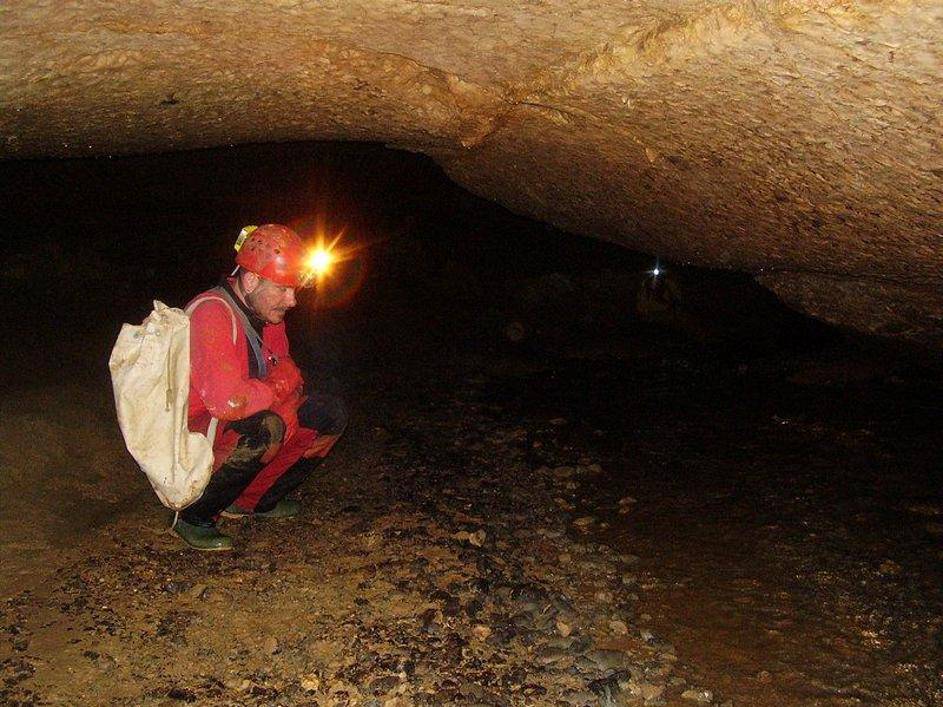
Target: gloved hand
(284, 378)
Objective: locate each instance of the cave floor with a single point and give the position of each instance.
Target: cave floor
(646, 524)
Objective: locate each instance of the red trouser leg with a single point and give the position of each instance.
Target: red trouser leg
(289, 453)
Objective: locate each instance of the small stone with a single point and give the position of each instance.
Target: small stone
(584, 521)
(310, 683)
(608, 659)
(481, 632)
(564, 628)
(889, 567)
(580, 699)
(549, 656)
(649, 691)
(925, 509)
(618, 627)
(564, 504)
(271, 645)
(182, 694)
(198, 591)
(563, 472)
(477, 538)
(698, 695)
(561, 642)
(383, 685)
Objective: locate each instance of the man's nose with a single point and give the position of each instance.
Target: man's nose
(290, 298)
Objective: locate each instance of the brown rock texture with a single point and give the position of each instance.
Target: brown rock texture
(799, 140)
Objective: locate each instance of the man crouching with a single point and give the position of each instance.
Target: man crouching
(270, 434)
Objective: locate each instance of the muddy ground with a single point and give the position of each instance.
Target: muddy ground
(648, 525)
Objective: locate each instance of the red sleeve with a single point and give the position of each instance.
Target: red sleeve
(217, 370)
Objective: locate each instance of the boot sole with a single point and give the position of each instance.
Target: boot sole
(234, 516)
(264, 516)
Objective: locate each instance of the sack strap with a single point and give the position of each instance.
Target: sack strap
(200, 300)
(214, 422)
(255, 341)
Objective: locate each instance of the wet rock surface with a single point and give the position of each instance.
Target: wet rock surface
(797, 140)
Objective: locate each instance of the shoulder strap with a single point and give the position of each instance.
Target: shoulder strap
(206, 298)
(255, 341)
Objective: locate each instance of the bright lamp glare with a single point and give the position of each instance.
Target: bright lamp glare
(319, 262)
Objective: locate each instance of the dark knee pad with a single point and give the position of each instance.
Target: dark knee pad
(259, 434)
(327, 414)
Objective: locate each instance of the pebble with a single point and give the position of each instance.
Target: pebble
(647, 691)
(481, 632)
(608, 659)
(198, 591)
(618, 627)
(311, 683)
(698, 695)
(563, 472)
(564, 628)
(561, 642)
(548, 655)
(383, 685)
(580, 698)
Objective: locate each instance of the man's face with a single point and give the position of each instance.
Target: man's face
(270, 301)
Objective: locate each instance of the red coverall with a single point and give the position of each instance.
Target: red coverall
(220, 387)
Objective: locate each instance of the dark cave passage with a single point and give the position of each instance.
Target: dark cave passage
(769, 484)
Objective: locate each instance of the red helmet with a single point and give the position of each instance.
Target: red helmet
(274, 252)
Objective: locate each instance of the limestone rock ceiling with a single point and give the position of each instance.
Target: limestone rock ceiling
(799, 140)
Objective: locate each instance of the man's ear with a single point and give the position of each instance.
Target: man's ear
(250, 281)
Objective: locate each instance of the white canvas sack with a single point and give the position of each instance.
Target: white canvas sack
(150, 374)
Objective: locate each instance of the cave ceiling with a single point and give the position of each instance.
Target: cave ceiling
(800, 141)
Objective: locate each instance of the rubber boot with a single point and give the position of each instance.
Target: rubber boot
(202, 537)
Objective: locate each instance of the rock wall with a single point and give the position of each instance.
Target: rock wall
(799, 140)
